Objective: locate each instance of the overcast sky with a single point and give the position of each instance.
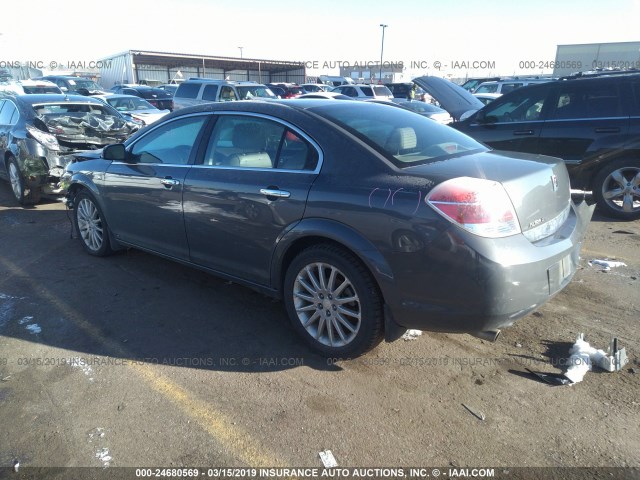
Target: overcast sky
(504, 32)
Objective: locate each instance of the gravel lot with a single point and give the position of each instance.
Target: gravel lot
(136, 361)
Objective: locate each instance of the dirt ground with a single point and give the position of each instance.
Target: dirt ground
(135, 361)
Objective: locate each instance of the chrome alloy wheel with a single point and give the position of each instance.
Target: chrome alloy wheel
(327, 304)
(90, 224)
(621, 189)
(15, 179)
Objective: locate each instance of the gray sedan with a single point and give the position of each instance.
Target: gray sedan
(366, 220)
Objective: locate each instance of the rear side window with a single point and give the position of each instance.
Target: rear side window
(210, 92)
(188, 90)
(576, 101)
(239, 141)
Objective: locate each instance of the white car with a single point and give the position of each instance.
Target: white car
(135, 107)
(364, 91)
(22, 87)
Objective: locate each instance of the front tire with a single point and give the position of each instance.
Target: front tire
(91, 225)
(617, 189)
(20, 192)
(333, 302)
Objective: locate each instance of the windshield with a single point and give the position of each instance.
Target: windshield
(487, 88)
(259, 91)
(129, 104)
(77, 83)
(382, 91)
(405, 138)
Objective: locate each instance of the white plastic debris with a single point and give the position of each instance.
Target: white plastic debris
(607, 264)
(411, 335)
(34, 328)
(16, 466)
(328, 460)
(103, 456)
(583, 356)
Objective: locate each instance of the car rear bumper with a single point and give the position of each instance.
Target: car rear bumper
(484, 287)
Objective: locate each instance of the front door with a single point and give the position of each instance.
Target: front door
(143, 195)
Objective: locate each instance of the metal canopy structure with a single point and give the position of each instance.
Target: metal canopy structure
(134, 66)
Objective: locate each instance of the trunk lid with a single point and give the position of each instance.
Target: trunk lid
(537, 185)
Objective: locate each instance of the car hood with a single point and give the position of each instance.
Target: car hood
(453, 98)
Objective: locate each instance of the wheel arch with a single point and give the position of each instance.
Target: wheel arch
(311, 232)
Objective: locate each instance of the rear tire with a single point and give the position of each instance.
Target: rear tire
(333, 302)
(23, 195)
(91, 225)
(616, 189)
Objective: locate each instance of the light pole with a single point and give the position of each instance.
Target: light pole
(381, 51)
(240, 51)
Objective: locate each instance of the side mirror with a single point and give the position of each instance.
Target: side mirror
(114, 152)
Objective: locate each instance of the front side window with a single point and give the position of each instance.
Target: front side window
(367, 91)
(241, 141)
(171, 143)
(227, 94)
(523, 106)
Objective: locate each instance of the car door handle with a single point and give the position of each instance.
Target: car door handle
(169, 182)
(523, 132)
(269, 192)
(607, 130)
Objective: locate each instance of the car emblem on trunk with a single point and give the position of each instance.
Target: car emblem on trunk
(554, 182)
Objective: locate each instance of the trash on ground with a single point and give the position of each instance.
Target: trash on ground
(411, 335)
(478, 415)
(555, 379)
(328, 460)
(607, 264)
(583, 356)
(16, 465)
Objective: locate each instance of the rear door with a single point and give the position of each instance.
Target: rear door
(585, 118)
(143, 196)
(250, 188)
(512, 122)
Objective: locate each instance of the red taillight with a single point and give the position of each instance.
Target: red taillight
(480, 206)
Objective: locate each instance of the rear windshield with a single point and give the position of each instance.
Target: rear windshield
(403, 137)
(72, 109)
(37, 89)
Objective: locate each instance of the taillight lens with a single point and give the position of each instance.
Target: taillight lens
(480, 206)
(44, 138)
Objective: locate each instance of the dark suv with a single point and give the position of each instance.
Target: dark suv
(591, 121)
